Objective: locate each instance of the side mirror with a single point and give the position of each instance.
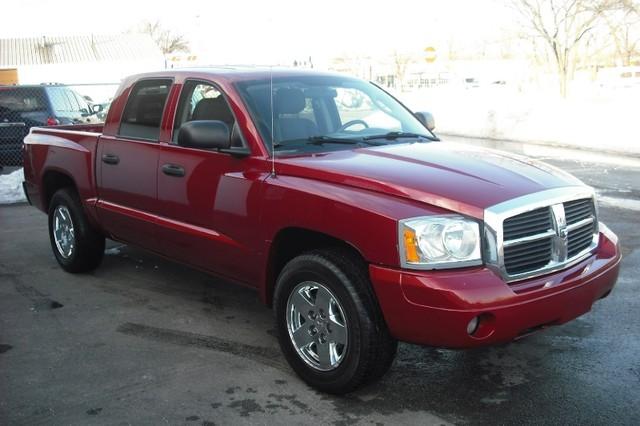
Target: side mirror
(96, 108)
(426, 119)
(205, 134)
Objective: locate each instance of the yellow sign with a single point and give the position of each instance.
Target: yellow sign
(430, 54)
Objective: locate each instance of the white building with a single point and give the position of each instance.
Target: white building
(77, 59)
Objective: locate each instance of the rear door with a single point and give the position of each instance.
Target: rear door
(127, 166)
(63, 104)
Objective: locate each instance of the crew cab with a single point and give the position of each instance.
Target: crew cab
(351, 219)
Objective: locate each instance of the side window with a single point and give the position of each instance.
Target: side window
(143, 112)
(203, 101)
(59, 102)
(84, 106)
(355, 106)
(306, 113)
(75, 107)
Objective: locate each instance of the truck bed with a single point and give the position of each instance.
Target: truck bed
(90, 128)
(56, 150)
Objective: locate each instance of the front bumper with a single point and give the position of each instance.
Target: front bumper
(434, 307)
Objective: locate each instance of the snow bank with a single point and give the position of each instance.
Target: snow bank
(597, 120)
(113, 251)
(11, 188)
(620, 203)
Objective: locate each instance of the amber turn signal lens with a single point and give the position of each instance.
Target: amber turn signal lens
(410, 246)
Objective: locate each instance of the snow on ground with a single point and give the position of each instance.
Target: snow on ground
(546, 152)
(620, 203)
(113, 251)
(11, 188)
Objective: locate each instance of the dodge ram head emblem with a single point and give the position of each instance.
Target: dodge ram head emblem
(562, 233)
(561, 240)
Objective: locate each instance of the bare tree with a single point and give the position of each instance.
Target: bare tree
(562, 25)
(623, 24)
(400, 63)
(167, 41)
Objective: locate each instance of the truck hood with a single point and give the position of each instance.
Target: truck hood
(456, 177)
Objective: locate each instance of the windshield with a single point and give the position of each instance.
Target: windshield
(317, 113)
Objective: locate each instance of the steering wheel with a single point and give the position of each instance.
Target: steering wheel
(348, 124)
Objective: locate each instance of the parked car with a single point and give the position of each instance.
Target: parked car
(358, 231)
(22, 107)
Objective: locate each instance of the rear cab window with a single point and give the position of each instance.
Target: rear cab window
(143, 112)
(22, 99)
(21, 106)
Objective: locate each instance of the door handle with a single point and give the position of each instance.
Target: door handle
(173, 170)
(110, 159)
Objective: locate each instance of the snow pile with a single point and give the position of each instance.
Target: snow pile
(597, 120)
(620, 203)
(113, 251)
(11, 188)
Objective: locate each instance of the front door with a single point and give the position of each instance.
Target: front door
(204, 194)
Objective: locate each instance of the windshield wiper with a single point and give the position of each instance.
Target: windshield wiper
(398, 135)
(320, 140)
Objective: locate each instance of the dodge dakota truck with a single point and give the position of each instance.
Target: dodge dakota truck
(351, 219)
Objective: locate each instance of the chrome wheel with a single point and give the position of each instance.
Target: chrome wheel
(317, 326)
(63, 231)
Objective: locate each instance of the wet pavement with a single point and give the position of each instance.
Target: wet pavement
(146, 341)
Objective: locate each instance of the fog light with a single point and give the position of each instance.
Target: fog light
(472, 327)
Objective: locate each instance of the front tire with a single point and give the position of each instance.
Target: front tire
(77, 246)
(330, 327)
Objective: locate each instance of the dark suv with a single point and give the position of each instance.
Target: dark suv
(22, 107)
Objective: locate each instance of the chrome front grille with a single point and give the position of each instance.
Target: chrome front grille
(527, 256)
(548, 231)
(527, 224)
(527, 238)
(578, 210)
(579, 239)
(579, 214)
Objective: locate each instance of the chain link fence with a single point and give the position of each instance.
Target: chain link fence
(25, 106)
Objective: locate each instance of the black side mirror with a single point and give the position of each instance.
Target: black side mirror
(205, 134)
(426, 118)
(96, 108)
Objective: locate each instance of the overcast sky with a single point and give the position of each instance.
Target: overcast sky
(241, 31)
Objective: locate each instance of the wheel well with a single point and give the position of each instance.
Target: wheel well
(53, 181)
(291, 242)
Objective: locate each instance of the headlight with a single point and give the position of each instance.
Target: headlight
(435, 242)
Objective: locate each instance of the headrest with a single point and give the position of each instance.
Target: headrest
(149, 112)
(213, 109)
(289, 101)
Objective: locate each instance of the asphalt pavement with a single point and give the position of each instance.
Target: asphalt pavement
(146, 341)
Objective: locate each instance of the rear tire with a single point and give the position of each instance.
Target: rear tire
(76, 244)
(367, 351)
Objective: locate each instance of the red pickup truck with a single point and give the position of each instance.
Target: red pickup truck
(337, 203)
